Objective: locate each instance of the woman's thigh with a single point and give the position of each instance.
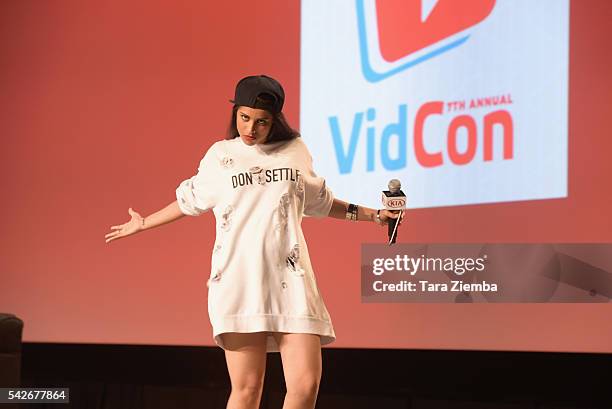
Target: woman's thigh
(245, 355)
(301, 356)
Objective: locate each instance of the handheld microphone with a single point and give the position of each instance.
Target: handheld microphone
(394, 199)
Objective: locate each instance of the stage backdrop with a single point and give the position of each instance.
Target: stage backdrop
(106, 106)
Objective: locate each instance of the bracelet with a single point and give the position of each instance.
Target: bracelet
(351, 212)
(143, 220)
(378, 217)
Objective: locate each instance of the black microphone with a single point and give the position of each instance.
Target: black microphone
(394, 199)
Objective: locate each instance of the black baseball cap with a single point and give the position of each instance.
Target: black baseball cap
(261, 92)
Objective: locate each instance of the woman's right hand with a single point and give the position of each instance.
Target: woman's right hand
(126, 229)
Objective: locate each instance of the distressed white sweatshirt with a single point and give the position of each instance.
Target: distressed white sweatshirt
(261, 278)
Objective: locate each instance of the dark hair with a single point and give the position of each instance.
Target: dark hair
(280, 130)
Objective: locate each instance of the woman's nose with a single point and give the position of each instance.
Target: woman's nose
(251, 128)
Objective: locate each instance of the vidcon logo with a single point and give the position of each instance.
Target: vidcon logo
(483, 119)
(395, 35)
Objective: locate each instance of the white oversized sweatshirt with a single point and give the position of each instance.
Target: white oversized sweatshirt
(261, 278)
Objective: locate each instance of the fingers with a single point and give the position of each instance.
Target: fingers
(117, 232)
(386, 215)
(110, 237)
(118, 227)
(113, 235)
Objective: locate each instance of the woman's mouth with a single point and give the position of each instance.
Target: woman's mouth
(250, 137)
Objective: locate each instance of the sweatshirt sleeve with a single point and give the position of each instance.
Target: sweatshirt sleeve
(318, 198)
(196, 195)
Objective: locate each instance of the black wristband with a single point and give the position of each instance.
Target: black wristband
(351, 212)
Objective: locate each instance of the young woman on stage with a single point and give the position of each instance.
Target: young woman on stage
(262, 293)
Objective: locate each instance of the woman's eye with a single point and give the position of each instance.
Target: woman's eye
(262, 122)
(244, 117)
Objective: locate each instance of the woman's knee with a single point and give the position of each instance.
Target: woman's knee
(305, 389)
(248, 382)
(248, 391)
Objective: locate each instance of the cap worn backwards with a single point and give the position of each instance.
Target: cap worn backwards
(261, 92)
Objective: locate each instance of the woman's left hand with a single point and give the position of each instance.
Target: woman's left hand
(385, 215)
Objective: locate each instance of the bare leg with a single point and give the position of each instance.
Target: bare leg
(301, 356)
(245, 355)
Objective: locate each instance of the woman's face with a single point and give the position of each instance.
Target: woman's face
(253, 124)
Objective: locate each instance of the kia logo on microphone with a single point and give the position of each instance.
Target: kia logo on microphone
(395, 35)
(396, 203)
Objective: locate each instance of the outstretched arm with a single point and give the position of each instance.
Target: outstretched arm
(138, 223)
(168, 214)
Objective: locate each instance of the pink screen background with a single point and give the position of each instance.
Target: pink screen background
(107, 105)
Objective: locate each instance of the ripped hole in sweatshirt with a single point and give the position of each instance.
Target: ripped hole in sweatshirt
(226, 218)
(258, 174)
(227, 162)
(323, 190)
(293, 261)
(215, 278)
(283, 205)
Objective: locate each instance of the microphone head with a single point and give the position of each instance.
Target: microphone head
(394, 185)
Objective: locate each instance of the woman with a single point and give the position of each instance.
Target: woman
(263, 295)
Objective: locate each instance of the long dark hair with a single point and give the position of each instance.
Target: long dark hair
(280, 130)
